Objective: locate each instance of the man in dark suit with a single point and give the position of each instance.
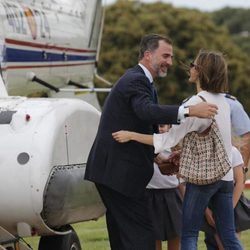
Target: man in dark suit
(121, 172)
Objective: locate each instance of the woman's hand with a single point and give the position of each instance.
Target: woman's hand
(175, 156)
(122, 136)
(126, 136)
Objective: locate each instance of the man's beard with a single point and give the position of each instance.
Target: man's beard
(162, 74)
(158, 69)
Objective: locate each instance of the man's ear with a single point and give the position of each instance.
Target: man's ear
(147, 55)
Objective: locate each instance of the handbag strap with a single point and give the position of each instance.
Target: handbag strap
(202, 98)
(206, 131)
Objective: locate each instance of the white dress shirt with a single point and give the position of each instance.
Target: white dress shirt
(180, 117)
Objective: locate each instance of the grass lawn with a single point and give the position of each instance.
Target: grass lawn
(93, 235)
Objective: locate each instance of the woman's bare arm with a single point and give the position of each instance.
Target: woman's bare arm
(123, 136)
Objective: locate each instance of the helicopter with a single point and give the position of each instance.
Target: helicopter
(48, 49)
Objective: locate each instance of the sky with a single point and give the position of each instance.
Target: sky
(203, 5)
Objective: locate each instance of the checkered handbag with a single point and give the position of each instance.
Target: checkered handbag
(203, 158)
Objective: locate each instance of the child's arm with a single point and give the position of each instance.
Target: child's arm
(245, 148)
(239, 183)
(126, 136)
(182, 189)
(209, 217)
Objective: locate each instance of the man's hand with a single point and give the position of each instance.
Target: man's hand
(203, 110)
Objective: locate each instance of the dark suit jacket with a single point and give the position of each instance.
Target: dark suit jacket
(127, 167)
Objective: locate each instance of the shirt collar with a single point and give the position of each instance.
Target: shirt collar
(147, 73)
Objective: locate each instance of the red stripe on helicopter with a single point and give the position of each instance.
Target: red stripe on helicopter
(46, 46)
(45, 66)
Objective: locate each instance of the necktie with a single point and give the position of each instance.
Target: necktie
(155, 100)
(154, 93)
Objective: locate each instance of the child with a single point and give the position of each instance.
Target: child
(165, 204)
(242, 218)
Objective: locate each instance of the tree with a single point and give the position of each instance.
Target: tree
(191, 30)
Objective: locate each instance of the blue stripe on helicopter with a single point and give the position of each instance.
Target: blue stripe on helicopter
(17, 55)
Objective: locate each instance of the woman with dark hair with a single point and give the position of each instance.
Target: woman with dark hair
(209, 73)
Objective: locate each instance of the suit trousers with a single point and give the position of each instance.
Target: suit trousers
(129, 224)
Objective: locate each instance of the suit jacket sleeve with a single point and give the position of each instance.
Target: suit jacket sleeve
(141, 100)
